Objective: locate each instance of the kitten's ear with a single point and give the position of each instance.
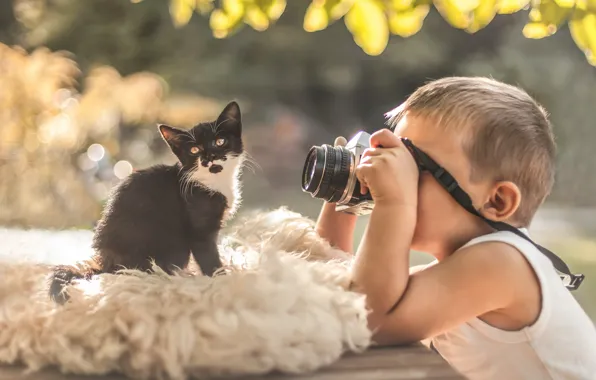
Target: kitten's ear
(230, 117)
(170, 134)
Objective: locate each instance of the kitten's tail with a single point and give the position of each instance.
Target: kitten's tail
(63, 275)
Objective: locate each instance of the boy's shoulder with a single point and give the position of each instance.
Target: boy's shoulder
(498, 260)
(494, 260)
(506, 251)
(501, 269)
(506, 281)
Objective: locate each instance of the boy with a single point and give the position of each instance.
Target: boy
(491, 304)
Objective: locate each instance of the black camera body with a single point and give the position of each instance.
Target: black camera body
(330, 174)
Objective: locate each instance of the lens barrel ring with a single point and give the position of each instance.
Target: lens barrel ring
(325, 189)
(341, 173)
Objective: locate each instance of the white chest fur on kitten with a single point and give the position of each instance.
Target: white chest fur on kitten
(225, 182)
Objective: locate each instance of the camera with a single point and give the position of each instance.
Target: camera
(329, 173)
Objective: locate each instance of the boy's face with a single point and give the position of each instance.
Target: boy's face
(442, 224)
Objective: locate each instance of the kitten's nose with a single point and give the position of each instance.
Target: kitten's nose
(207, 158)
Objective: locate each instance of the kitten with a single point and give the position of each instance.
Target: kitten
(166, 212)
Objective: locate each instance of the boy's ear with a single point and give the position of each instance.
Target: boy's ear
(171, 135)
(504, 201)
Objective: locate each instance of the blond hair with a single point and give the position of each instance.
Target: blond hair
(507, 134)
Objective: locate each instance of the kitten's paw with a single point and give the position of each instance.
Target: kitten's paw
(61, 277)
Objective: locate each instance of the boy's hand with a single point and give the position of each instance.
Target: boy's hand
(390, 173)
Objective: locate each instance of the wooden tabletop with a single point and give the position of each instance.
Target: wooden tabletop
(392, 363)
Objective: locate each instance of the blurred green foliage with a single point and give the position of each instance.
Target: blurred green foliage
(371, 22)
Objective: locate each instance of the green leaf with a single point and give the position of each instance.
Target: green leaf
(565, 3)
(586, 5)
(482, 15)
(337, 9)
(401, 5)
(228, 19)
(466, 6)
(545, 19)
(316, 17)
(256, 18)
(409, 22)
(181, 11)
(553, 13)
(220, 23)
(321, 13)
(583, 31)
(276, 9)
(204, 6)
(536, 30)
(511, 6)
(452, 14)
(272, 9)
(367, 22)
(234, 9)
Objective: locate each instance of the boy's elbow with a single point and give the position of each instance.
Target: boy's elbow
(390, 326)
(382, 318)
(378, 310)
(386, 334)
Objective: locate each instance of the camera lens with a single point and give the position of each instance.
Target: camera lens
(313, 169)
(326, 172)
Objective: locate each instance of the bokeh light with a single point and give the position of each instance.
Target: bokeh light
(96, 152)
(122, 169)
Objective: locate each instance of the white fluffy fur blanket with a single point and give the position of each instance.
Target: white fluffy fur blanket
(282, 306)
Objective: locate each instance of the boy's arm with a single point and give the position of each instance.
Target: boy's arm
(476, 280)
(381, 266)
(336, 227)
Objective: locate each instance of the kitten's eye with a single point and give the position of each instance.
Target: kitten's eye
(220, 142)
(194, 150)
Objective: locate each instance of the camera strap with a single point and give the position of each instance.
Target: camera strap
(425, 163)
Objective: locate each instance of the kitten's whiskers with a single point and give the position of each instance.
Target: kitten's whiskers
(250, 162)
(193, 135)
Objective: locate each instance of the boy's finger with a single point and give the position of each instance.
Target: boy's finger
(384, 138)
(370, 152)
(363, 187)
(360, 176)
(364, 159)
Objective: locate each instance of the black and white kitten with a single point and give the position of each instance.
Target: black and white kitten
(166, 212)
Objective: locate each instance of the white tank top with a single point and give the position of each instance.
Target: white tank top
(560, 345)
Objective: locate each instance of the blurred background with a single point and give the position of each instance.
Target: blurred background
(84, 83)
